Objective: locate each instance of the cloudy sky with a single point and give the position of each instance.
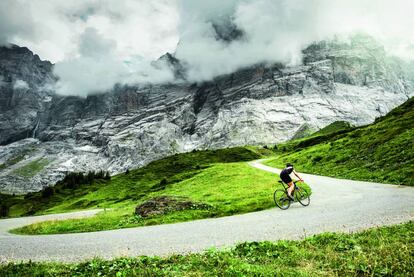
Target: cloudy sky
(96, 44)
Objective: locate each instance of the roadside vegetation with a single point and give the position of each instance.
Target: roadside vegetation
(217, 182)
(386, 251)
(380, 152)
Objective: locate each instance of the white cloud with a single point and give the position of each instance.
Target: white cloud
(20, 84)
(96, 44)
(277, 31)
(98, 68)
(2, 82)
(52, 29)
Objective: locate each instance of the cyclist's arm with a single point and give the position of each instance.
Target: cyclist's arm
(294, 172)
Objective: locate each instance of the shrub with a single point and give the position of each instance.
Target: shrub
(73, 180)
(28, 195)
(107, 176)
(163, 182)
(4, 211)
(47, 192)
(31, 211)
(317, 159)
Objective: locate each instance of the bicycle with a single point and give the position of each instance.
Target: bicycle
(282, 200)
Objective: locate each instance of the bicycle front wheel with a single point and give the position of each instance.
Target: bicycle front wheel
(281, 199)
(302, 196)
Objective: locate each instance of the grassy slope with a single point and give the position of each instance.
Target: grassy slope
(32, 168)
(205, 176)
(382, 151)
(334, 127)
(125, 188)
(382, 251)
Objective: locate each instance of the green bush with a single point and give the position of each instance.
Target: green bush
(47, 192)
(4, 211)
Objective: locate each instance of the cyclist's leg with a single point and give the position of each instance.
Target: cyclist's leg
(291, 188)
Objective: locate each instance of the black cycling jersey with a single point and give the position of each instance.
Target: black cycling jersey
(284, 175)
(287, 171)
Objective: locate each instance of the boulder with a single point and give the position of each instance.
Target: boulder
(165, 204)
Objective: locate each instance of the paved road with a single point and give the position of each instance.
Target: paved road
(336, 205)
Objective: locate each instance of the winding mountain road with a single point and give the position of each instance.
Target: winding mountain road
(336, 205)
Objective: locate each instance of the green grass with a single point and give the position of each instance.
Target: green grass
(334, 127)
(32, 168)
(386, 251)
(381, 152)
(220, 178)
(18, 157)
(229, 188)
(124, 188)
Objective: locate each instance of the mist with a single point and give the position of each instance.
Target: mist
(97, 44)
(278, 31)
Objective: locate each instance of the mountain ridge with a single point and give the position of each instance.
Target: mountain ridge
(134, 125)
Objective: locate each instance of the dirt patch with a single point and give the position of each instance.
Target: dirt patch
(165, 204)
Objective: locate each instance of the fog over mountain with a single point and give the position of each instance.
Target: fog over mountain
(96, 44)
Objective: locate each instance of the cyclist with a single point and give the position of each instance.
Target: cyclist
(285, 176)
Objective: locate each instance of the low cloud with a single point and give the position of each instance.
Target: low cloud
(20, 84)
(2, 82)
(98, 68)
(277, 31)
(97, 44)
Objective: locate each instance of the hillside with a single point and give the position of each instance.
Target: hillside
(130, 186)
(210, 183)
(382, 151)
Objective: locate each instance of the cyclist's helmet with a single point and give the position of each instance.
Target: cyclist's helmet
(289, 165)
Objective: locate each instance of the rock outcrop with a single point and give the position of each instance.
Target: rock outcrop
(161, 205)
(134, 125)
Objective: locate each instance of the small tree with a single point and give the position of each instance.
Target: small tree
(107, 176)
(47, 192)
(89, 177)
(4, 211)
(163, 182)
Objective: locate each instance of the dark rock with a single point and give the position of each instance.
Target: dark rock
(165, 204)
(227, 31)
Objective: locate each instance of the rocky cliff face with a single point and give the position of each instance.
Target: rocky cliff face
(24, 95)
(44, 135)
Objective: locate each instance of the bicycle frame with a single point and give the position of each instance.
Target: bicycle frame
(303, 199)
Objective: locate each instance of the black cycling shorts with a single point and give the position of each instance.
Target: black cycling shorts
(285, 178)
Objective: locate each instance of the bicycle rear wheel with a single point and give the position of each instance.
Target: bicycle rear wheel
(302, 196)
(281, 199)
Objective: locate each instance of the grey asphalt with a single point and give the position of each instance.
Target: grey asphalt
(336, 205)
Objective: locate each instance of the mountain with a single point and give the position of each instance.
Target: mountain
(380, 152)
(44, 135)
